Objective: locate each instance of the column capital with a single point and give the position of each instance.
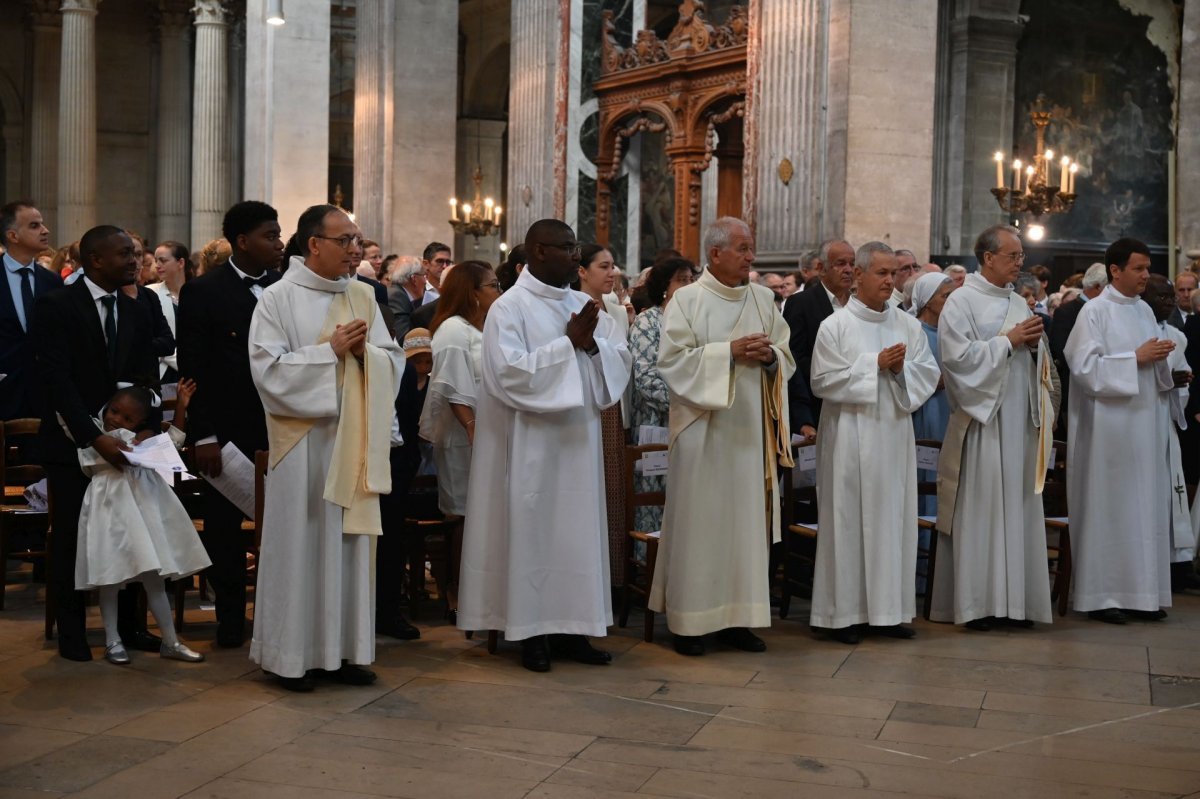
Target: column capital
(210, 12)
(174, 16)
(43, 14)
(82, 6)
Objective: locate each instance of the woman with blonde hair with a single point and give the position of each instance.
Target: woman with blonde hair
(215, 253)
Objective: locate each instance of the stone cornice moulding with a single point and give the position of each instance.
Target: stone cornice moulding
(210, 12)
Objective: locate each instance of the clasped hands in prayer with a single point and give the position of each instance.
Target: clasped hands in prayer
(350, 337)
(754, 348)
(891, 359)
(1028, 333)
(581, 329)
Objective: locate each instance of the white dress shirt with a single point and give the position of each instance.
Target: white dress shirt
(12, 271)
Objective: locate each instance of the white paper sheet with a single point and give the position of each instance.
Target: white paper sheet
(927, 458)
(649, 434)
(158, 453)
(652, 463)
(236, 482)
(806, 458)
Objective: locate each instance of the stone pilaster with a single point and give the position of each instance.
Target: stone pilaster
(536, 61)
(1187, 132)
(373, 117)
(172, 197)
(77, 120)
(879, 167)
(43, 110)
(210, 108)
(786, 122)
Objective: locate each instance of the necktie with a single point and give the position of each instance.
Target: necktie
(110, 327)
(251, 282)
(27, 293)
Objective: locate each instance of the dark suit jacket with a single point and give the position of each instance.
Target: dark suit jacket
(1060, 330)
(804, 313)
(423, 316)
(213, 326)
(1176, 319)
(402, 309)
(73, 368)
(380, 289)
(17, 399)
(1192, 330)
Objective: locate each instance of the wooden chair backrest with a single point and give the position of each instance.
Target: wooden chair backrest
(261, 459)
(14, 469)
(927, 488)
(639, 499)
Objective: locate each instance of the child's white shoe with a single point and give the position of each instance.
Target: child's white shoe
(180, 651)
(115, 653)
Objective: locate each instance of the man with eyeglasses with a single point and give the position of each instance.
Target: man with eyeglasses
(991, 560)
(907, 270)
(434, 260)
(327, 371)
(408, 292)
(535, 548)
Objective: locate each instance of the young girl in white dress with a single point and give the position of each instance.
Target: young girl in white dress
(133, 528)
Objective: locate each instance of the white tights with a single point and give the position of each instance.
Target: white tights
(156, 600)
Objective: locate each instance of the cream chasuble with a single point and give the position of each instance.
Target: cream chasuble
(1118, 458)
(314, 599)
(994, 564)
(866, 560)
(712, 561)
(535, 546)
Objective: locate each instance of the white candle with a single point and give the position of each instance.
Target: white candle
(467, 211)
(487, 208)
(496, 217)
(999, 169)
(1071, 183)
(1062, 179)
(1029, 170)
(453, 210)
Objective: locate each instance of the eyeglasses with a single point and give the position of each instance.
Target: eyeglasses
(495, 284)
(1018, 257)
(345, 242)
(569, 249)
(443, 262)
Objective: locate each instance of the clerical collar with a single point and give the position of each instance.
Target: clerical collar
(710, 283)
(527, 281)
(860, 309)
(1111, 293)
(981, 283)
(299, 273)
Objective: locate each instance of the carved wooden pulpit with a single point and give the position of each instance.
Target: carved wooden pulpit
(691, 88)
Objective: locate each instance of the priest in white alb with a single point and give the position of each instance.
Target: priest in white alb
(1118, 450)
(1159, 294)
(327, 372)
(535, 546)
(872, 368)
(991, 553)
(724, 356)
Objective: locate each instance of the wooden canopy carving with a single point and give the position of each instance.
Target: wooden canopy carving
(692, 88)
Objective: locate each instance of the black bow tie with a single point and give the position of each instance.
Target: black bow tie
(251, 282)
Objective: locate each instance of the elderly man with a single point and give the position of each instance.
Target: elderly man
(1061, 325)
(774, 281)
(1185, 286)
(406, 293)
(810, 267)
(724, 357)
(804, 315)
(873, 367)
(957, 273)
(907, 268)
(991, 565)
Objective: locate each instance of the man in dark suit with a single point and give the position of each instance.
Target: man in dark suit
(24, 235)
(213, 324)
(407, 292)
(88, 338)
(1061, 325)
(1185, 290)
(804, 314)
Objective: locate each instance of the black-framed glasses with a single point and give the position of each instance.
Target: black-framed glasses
(443, 262)
(570, 249)
(345, 242)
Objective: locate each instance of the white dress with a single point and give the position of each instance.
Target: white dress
(457, 353)
(132, 523)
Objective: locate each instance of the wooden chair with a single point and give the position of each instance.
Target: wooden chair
(1058, 528)
(645, 565)
(24, 533)
(427, 532)
(799, 531)
(928, 488)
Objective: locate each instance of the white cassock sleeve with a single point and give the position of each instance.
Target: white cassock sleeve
(299, 382)
(1096, 373)
(1178, 397)
(975, 370)
(839, 377)
(917, 381)
(613, 365)
(699, 375)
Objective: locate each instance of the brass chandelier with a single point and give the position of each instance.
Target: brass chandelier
(1033, 190)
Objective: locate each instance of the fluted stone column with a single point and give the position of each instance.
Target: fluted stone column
(77, 120)
(210, 108)
(43, 110)
(172, 205)
(373, 116)
(533, 171)
(1187, 210)
(786, 122)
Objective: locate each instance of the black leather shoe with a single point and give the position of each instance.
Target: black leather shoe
(1022, 623)
(79, 652)
(351, 674)
(1146, 615)
(300, 685)
(534, 655)
(846, 635)
(979, 625)
(690, 645)
(230, 636)
(1108, 616)
(895, 631)
(741, 638)
(578, 649)
(398, 628)
(142, 641)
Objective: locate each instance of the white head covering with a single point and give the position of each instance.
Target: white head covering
(925, 287)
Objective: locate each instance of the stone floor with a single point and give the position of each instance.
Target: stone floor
(1077, 709)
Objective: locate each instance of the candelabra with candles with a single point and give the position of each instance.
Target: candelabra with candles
(1036, 194)
(477, 218)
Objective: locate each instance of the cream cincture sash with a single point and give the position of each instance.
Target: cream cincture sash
(1041, 410)
(359, 470)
